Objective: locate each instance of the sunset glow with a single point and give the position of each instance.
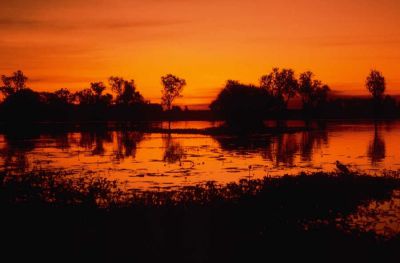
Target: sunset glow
(70, 43)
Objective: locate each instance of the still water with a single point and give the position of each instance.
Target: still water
(151, 160)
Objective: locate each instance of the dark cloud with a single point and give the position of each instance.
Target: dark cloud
(135, 24)
(5, 22)
(23, 24)
(35, 49)
(351, 41)
(42, 4)
(62, 79)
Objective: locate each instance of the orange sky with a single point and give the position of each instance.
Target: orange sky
(70, 43)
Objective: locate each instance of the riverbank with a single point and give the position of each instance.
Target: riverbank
(150, 127)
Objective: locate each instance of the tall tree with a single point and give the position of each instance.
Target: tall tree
(376, 84)
(20, 103)
(100, 98)
(126, 91)
(172, 89)
(306, 86)
(64, 96)
(312, 91)
(85, 97)
(282, 84)
(97, 88)
(13, 83)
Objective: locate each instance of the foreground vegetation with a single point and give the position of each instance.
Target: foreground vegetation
(49, 214)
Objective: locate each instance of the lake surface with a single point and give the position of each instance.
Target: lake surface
(151, 160)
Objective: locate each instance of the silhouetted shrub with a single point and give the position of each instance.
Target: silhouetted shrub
(241, 104)
(23, 105)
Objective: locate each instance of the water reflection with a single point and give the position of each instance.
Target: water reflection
(311, 141)
(377, 148)
(16, 145)
(127, 142)
(62, 141)
(161, 159)
(279, 149)
(92, 140)
(285, 150)
(173, 150)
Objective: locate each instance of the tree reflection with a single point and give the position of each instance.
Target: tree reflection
(127, 142)
(286, 148)
(93, 140)
(17, 144)
(62, 140)
(311, 141)
(243, 143)
(280, 149)
(173, 150)
(376, 148)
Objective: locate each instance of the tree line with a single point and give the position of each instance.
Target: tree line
(244, 104)
(236, 102)
(239, 102)
(20, 103)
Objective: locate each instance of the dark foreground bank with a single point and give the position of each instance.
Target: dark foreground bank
(54, 216)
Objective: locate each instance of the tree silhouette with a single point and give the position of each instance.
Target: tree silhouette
(13, 83)
(282, 84)
(97, 88)
(172, 89)
(20, 103)
(57, 105)
(100, 99)
(85, 97)
(242, 105)
(126, 91)
(320, 97)
(236, 103)
(306, 87)
(64, 96)
(92, 103)
(24, 105)
(376, 84)
(313, 92)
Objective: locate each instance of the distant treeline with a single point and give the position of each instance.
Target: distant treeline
(236, 102)
(241, 104)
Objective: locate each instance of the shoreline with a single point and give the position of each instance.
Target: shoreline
(151, 127)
